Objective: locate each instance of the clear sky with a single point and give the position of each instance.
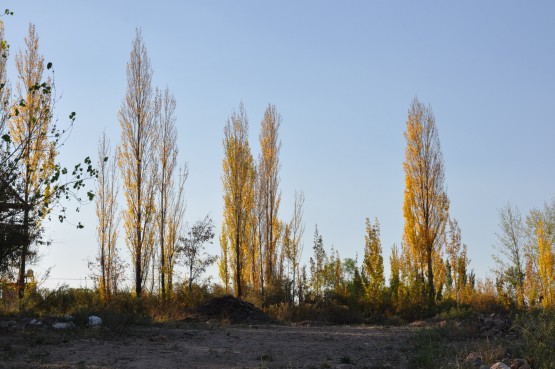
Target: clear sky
(342, 74)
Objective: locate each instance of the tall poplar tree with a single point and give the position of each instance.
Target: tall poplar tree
(29, 129)
(373, 262)
(137, 118)
(108, 220)
(32, 184)
(238, 183)
(394, 276)
(426, 205)
(268, 173)
(9, 248)
(295, 247)
(457, 260)
(170, 199)
(317, 265)
(509, 259)
(546, 264)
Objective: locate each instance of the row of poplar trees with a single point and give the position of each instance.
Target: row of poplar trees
(254, 241)
(153, 185)
(432, 255)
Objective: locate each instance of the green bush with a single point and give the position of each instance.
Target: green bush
(458, 313)
(61, 301)
(537, 330)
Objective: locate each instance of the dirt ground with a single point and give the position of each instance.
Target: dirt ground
(207, 345)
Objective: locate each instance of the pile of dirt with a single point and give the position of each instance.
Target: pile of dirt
(231, 310)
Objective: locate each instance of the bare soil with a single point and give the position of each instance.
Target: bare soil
(206, 345)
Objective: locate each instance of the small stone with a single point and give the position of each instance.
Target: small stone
(500, 365)
(8, 324)
(63, 325)
(35, 322)
(95, 321)
(520, 364)
(474, 359)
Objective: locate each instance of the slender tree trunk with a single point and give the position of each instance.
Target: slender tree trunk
(162, 245)
(261, 257)
(104, 286)
(191, 277)
(24, 252)
(139, 254)
(431, 287)
(238, 260)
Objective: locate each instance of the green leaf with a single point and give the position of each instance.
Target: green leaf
(7, 138)
(49, 65)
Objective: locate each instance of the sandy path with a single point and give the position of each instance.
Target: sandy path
(201, 346)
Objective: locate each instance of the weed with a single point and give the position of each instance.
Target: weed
(265, 357)
(436, 346)
(346, 360)
(537, 329)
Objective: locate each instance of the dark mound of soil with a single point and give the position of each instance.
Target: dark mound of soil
(232, 310)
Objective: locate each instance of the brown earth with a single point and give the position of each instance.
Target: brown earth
(224, 333)
(206, 345)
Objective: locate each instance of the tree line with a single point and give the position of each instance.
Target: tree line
(260, 251)
(153, 186)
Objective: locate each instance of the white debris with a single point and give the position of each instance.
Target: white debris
(63, 325)
(95, 321)
(35, 322)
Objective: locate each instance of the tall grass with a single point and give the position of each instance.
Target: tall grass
(537, 331)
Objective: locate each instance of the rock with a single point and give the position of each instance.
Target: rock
(520, 364)
(8, 324)
(493, 325)
(418, 323)
(35, 322)
(474, 359)
(499, 365)
(63, 325)
(95, 321)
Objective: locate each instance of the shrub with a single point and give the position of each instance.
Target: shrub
(537, 329)
(457, 313)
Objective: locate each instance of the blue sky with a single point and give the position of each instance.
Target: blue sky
(342, 74)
